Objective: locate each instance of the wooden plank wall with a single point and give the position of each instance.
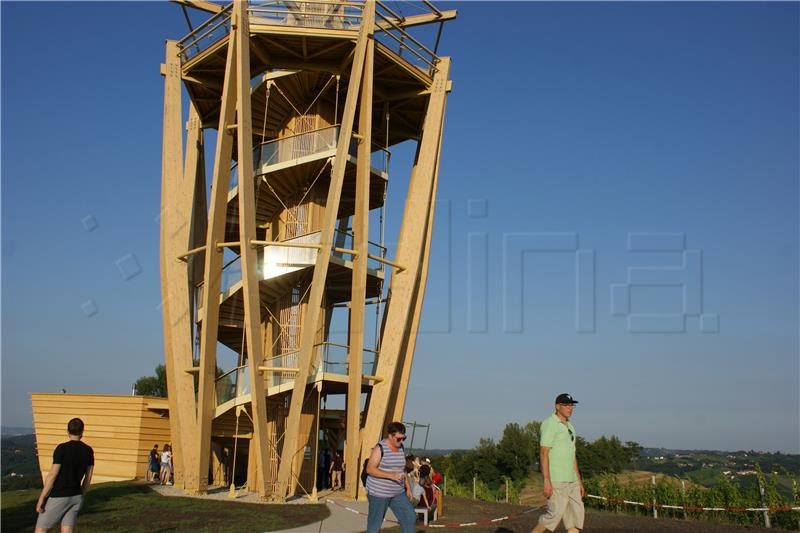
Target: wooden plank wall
(120, 429)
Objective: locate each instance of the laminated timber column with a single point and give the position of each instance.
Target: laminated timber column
(359, 285)
(397, 398)
(176, 204)
(249, 261)
(212, 274)
(308, 333)
(402, 309)
(195, 172)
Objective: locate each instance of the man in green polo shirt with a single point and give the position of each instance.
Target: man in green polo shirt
(563, 487)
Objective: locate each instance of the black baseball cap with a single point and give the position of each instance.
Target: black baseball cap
(565, 398)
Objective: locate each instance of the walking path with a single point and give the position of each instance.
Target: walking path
(340, 520)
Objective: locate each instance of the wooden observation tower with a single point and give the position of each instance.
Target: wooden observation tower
(273, 267)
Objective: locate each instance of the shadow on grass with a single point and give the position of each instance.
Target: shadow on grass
(133, 507)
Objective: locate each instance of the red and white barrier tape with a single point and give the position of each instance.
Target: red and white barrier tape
(686, 508)
(485, 521)
(489, 521)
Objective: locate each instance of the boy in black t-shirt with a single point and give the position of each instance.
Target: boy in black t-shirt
(67, 482)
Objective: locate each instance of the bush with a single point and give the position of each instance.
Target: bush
(724, 494)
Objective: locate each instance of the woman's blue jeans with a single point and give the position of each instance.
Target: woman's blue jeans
(401, 507)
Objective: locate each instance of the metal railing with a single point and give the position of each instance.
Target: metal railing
(333, 359)
(293, 147)
(329, 357)
(275, 260)
(267, 155)
(344, 239)
(326, 14)
(231, 275)
(398, 40)
(299, 13)
(232, 384)
(307, 14)
(206, 34)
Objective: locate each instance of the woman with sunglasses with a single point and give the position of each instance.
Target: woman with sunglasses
(387, 485)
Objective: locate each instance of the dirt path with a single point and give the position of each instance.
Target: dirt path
(459, 511)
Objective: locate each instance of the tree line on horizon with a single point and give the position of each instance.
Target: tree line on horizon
(516, 456)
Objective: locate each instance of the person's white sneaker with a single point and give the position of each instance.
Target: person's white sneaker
(169, 482)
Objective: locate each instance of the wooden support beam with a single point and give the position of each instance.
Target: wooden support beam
(185, 256)
(249, 255)
(329, 49)
(213, 274)
(271, 75)
(397, 400)
(417, 20)
(397, 266)
(309, 330)
(279, 46)
(400, 310)
(358, 293)
(347, 251)
(195, 172)
(176, 200)
(261, 54)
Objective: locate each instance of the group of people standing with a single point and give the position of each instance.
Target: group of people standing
(159, 466)
(399, 483)
(424, 482)
(330, 467)
(396, 482)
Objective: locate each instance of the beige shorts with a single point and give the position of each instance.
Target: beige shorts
(565, 504)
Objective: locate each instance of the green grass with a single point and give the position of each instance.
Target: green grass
(123, 507)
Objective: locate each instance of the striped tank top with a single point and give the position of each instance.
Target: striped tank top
(391, 462)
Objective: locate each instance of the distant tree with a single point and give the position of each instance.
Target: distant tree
(153, 385)
(516, 452)
(534, 432)
(605, 455)
(157, 385)
(633, 450)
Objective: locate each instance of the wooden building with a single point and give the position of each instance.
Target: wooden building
(283, 245)
(120, 429)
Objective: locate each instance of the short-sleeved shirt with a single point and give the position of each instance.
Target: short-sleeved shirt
(338, 463)
(74, 457)
(560, 438)
(390, 462)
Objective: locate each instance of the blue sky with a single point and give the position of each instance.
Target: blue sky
(594, 126)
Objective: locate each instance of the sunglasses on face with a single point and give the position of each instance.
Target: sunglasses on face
(400, 439)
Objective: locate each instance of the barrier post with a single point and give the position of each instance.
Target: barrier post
(474, 487)
(655, 510)
(444, 480)
(767, 523)
(683, 498)
(506, 489)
